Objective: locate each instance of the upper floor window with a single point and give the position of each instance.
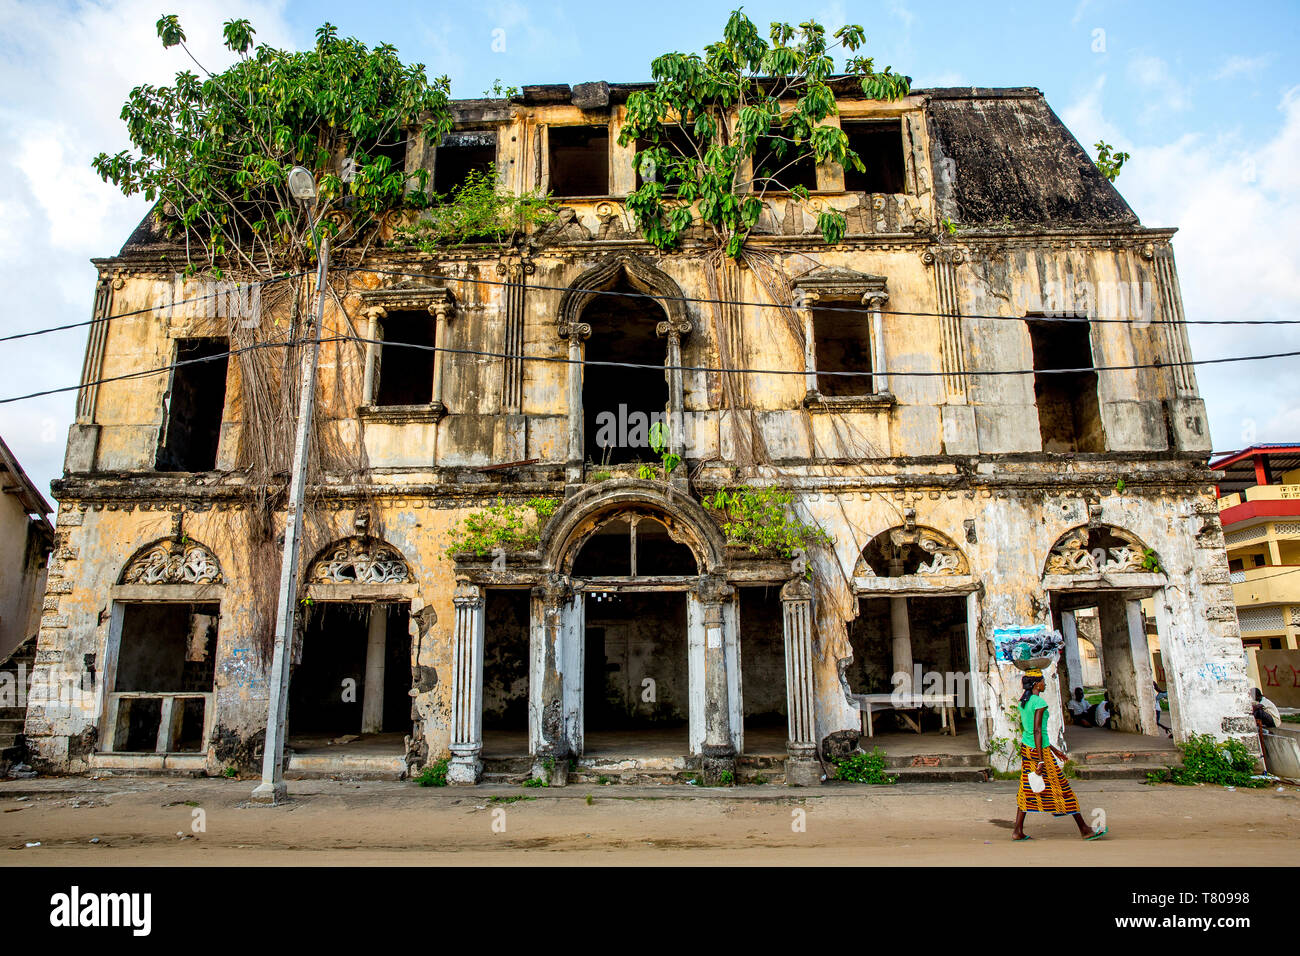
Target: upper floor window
(842, 343)
(879, 144)
(578, 160)
(193, 406)
(405, 369)
(678, 142)
(1069, 416)
(460, 154)
(780, 164)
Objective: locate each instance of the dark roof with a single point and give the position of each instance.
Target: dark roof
(1002, 157)
(33, 501)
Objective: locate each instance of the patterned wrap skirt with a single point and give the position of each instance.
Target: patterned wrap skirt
(1057, 798)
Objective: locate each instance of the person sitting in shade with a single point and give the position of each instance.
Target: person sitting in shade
(1104, 712)
(1264, 710)
(1079, 709)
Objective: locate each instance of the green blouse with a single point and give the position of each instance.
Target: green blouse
(1027, 711)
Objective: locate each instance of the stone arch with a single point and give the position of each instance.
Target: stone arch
(172, 560)
(918, 549)
(359, 560)
(581, 515)
(639, 274)
(1098, 549)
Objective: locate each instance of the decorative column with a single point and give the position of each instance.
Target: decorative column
(719, 751)
(546, 718)
(372, 695)
(802, 768)
(675, 391)
(467, 685)
(576, 333)
(875, 301)
(805, 301)
(441, 308)
(372, 316)
(901, 631)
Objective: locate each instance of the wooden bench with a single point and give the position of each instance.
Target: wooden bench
(946, 704)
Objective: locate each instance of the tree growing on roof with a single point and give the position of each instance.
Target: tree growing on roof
(748, 112)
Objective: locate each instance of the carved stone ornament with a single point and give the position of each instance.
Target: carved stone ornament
(834, 282)
(360, 561)
(945, 557)
(1072, 555)
(173, 562)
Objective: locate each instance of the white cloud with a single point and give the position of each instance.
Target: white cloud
(1234, 201)
(1157, 85)
(1243, 66)
(68, 69)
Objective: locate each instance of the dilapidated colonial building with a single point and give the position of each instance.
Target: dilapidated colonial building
(905, 386)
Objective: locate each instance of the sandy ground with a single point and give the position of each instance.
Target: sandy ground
(146, 821)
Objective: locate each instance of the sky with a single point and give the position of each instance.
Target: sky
(1205, 98)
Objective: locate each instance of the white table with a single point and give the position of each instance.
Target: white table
(946, 704)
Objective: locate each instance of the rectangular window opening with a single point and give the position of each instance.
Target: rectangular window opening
(678, 142)
(579, 160)
(1069, 415)
(406, 369)
(842, 342)
(194, 405)
(460, 154)
(774, 159)
(879, 144)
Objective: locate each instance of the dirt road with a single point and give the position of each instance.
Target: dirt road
(145, 821)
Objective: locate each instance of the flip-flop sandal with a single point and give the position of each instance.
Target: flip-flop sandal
(1099, 834)
(1021, 839)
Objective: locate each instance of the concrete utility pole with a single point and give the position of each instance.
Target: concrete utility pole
(272, 789)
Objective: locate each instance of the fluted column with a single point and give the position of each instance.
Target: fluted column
(875, 301)
(802, 768)
(804, 305)
(441, 309)
(548, 724)
(467, 685)
(719, 750)
(372, 316)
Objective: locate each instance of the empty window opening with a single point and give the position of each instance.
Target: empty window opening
(776, 167)
(353, 677)
(678, 143)
(619, 405)
(930, 634)
(762, 670)
(460, 154)
(607, 553)
(879, 145)
(163, 680)
(194, 405)
(406, 359)
(505, 671)
(635, 673)
(843, 344)
(1069, 417)
(579, 160)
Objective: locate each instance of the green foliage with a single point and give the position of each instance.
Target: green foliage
(748, 103)
(215, 151)
(1000, 747)
(602, 475)
(1120, 485)
(1108, 162)
(1291, 718)
(763, 519)
(949, 227)
(535, 782)
(726, 779)
(509, 526)
(433, 774)
(1151, 561)
(478, 210)
(864, 768)
(498, 91)
(513, 798)
(230, 772)
(1070, 771)
(1205, 760)
(645, 472)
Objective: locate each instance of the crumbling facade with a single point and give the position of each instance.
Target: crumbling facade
(968, 490)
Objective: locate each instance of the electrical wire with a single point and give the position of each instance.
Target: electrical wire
(122, 315)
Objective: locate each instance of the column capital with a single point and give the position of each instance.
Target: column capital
(555, 590)
(467, 595)
(713, 589)
(875, 299)
(573, 331)
(374, 312)
(441, 304)
(796, 589)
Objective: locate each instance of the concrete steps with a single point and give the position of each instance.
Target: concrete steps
(1123, 765)
(346, 766)
(20, 661)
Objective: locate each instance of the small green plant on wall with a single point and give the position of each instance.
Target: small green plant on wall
(659, 445)
(511, 526)
(763, 519)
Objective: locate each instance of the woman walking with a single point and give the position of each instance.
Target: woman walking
(1055, 795)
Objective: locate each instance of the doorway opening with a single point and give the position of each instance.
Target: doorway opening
(635, 693)
(349, 691)
(762, 671)
(913, 645)
(619, 404)
(505, 672)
